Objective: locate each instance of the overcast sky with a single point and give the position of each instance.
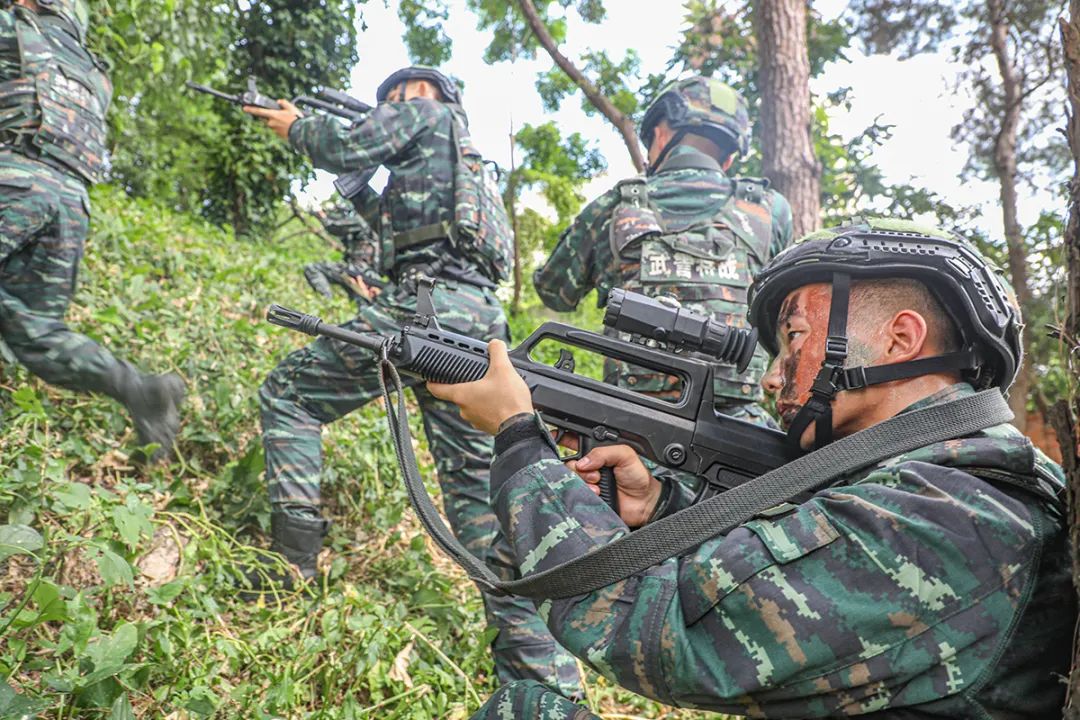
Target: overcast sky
(915, 96)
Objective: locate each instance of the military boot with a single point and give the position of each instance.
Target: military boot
(153, 401)
(154, 404)
(298, 538)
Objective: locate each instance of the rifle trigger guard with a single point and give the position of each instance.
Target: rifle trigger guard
(560, 433)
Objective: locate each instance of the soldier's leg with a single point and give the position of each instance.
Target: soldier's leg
(311, 387)
(524, 647)
(529, 700)
(42, 231)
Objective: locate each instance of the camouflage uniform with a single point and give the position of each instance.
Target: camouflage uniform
(932, 585)
(326, 380)
(359, 257)
(615, 242)
(54, 95)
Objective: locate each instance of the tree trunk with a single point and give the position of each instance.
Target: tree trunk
(787, 157)
(624, 124)
(1005, 169)
(1065, 413)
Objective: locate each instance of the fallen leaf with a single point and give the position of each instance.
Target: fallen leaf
(399, 672)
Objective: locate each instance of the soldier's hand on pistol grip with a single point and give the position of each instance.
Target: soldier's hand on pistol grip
(637, 489)
(494, 398)
(277, 120)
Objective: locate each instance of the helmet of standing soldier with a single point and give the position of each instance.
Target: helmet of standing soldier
(75, 12)
(449, 89)
(969, 288)
(703, 106)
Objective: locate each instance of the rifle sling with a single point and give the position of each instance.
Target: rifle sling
(686, 530)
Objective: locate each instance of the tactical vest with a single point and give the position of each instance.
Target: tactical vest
(480, 229)
(706, 261)
(56, 110)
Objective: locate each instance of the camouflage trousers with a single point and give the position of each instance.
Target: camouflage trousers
(528, 700)
(329, 379)
(44, 216)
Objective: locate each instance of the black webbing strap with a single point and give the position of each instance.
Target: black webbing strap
(685, 530)
(818, 409)
(859, 377)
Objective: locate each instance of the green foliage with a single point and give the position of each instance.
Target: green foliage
(424, 36)
(196, 153)
(117, 593)
(511, 36)
(964, 30)
(611, 79)
(558, 166)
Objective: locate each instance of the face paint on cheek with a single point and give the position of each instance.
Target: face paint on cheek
(801, 366)
(788, 370)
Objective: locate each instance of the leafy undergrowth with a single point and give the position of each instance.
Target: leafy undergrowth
(117, 583)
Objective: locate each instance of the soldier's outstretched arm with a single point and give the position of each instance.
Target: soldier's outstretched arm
(866, 595)
(386, 131)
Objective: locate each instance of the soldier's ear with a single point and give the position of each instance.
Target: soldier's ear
(728, 163)
(906, 337)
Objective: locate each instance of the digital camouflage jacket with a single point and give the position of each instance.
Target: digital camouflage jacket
(688, 231)
(413, 140)
(933, 585)
(53, 94)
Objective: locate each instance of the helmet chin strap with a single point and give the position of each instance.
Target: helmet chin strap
(818, 408)
(833, 378)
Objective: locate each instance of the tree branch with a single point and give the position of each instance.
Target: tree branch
(616, 117)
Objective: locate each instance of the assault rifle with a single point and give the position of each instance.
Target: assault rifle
(330, 101)
(685, 433)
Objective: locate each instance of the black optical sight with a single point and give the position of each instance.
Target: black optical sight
(678, 328)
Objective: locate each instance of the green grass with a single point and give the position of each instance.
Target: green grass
(116, 597)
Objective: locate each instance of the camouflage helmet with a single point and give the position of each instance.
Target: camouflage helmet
(971, 290)
(449, 89)
(75, 12)
(700, 105)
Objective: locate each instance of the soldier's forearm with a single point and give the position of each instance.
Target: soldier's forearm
(323, 140)
(553, 288)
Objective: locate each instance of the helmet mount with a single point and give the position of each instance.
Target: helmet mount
(702, 106)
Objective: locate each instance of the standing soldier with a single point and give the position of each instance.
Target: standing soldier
(419, 133)
(686, 230)
(54, 94)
